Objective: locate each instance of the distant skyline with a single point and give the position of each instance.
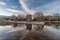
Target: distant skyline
(11, 7)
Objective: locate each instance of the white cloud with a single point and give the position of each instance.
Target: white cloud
(25, 7)
(14, 7)
(48, 8)
(3, 12)
(51, 7)
(13, 10)
(16, 12)
(2, 3)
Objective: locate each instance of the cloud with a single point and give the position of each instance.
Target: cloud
(25, 7)
(4, 12)
(2, 3)
(16, 12)
(49, 7)
(46, 8)
(52, 7)
(14, 7)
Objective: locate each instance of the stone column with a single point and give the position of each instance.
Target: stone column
(29, 19)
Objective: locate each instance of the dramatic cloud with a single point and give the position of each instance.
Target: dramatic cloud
(3, 12)
(2, 3)
(46, 8)
(25, 7)
(16, 12)
(31, 6)
(49, 7)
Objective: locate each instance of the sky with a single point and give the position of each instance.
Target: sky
(16, 7)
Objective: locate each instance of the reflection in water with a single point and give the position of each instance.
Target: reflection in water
(57, 27)
(47, 31)
(4, 29)
(52, 32)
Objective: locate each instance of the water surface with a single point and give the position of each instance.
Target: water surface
(48, 31)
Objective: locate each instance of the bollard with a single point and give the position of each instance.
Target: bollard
(29, 19)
